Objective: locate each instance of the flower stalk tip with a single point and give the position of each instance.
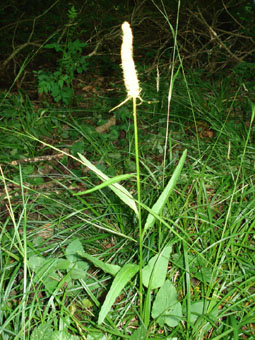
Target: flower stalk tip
(128, 65)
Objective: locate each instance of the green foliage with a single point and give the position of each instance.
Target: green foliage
(244, 72)
(123, 276)
(59, 84)
(45, 331)
(154, 273)
(18, 118)
(78, 147)
(118, 189)
(75, 268)
(48, 270)
(162, 200)
(69, 250)
(166, 308)
(246, 14)
(199, 310)
(106, 267)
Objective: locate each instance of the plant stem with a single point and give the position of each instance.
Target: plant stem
(139, 207)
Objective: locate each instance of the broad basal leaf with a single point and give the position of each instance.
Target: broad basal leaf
(139, 334)
(42, 332)
(154, 273)
(200, 308)
(166, 308)
(72, 249)
(63, 335)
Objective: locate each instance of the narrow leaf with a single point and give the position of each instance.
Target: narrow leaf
(107, 183)
(159, 205)
(122, 278)
(106, 267)
(118, 189)
(154, 273)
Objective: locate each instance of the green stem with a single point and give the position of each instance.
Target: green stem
(139, 208)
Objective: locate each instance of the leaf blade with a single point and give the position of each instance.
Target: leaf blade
(154, 273)
(122, 278)
(118, 189)
(106, 267)
(106, 183)
(166, 308)
(159, 205)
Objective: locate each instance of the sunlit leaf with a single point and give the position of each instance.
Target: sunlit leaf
(199, 309)
(72, 249)
(42, 332)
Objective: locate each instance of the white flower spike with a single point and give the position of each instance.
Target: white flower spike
(128, 65)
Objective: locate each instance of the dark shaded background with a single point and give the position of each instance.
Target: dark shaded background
(213, 36)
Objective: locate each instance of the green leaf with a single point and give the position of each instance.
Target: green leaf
(36, 180)
(96, 336)
(106, 267)
(204, 274)
(61, 83)
(72, 249)
(62, 264)
(166, 306)
(28, 170)
(53, 45)
(79, 270)
(106, 184)
(154, 273)
(200, 308)
(47, 270)
(36, 262)
(63, 335)
(139, 334)
(42, 332)
(87, 303)
(77, 147)
(124, 275)
(118, 189)
(162, 200)
(40, 264)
